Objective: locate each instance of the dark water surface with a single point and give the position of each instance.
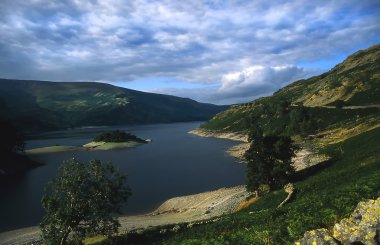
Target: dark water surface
(175, 163)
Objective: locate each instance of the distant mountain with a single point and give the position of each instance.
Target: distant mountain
(36, 105)
(355, 83)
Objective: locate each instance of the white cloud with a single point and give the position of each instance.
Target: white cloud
(256, 79)
(81, 54)
(241, 44)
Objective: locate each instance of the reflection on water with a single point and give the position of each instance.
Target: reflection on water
(175, 163)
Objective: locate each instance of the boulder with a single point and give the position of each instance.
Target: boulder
(363, 226)
(319, 236)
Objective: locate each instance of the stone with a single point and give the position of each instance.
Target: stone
(317, 237)
(363, 225)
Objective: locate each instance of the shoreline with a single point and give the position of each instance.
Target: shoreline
(187, 209)
(236, 151)
(306, 157)
(220, 135)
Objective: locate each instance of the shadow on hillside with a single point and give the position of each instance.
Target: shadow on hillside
(310, 171)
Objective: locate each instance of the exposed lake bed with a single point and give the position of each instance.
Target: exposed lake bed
(174, 164)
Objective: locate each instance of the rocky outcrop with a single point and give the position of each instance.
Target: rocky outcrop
(362, 227)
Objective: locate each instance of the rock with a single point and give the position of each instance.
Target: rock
(319, 236)
(362, 226)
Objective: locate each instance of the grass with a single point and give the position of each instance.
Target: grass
(51, 149)
(114, 145)
(321, 200)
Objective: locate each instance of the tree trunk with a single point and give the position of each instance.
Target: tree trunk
(64, 237)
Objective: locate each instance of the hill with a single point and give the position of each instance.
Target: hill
(348, 93)
(36, 105)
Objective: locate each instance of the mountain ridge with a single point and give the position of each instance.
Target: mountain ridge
(35, 105)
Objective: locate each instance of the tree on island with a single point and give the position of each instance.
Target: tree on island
(269, 160)
(80, 201)
(117, 136)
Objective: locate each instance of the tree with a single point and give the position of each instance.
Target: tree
(81, 199)
(301, 122)
(117, 136)
(269, 160)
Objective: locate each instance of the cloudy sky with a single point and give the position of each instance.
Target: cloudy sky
(212, 51)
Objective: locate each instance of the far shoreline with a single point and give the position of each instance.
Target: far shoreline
(91, 146)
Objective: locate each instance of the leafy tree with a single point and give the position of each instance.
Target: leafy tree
(81, 199)
(301, 122)
(283, 107)
(269, 160)
(116, 136)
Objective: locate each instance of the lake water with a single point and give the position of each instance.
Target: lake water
(175, 163)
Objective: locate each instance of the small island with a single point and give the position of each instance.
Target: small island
(113, 140)
(116, 139)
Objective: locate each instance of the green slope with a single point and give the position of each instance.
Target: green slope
(356, 81)
(47, 105)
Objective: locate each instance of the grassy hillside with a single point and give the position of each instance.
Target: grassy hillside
(354, 82)
(48, 105)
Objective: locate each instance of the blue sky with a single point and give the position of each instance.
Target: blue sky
(213, 51)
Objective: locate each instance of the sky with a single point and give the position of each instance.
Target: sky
(213, 51)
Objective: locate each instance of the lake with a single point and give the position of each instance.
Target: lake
(175, 163)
